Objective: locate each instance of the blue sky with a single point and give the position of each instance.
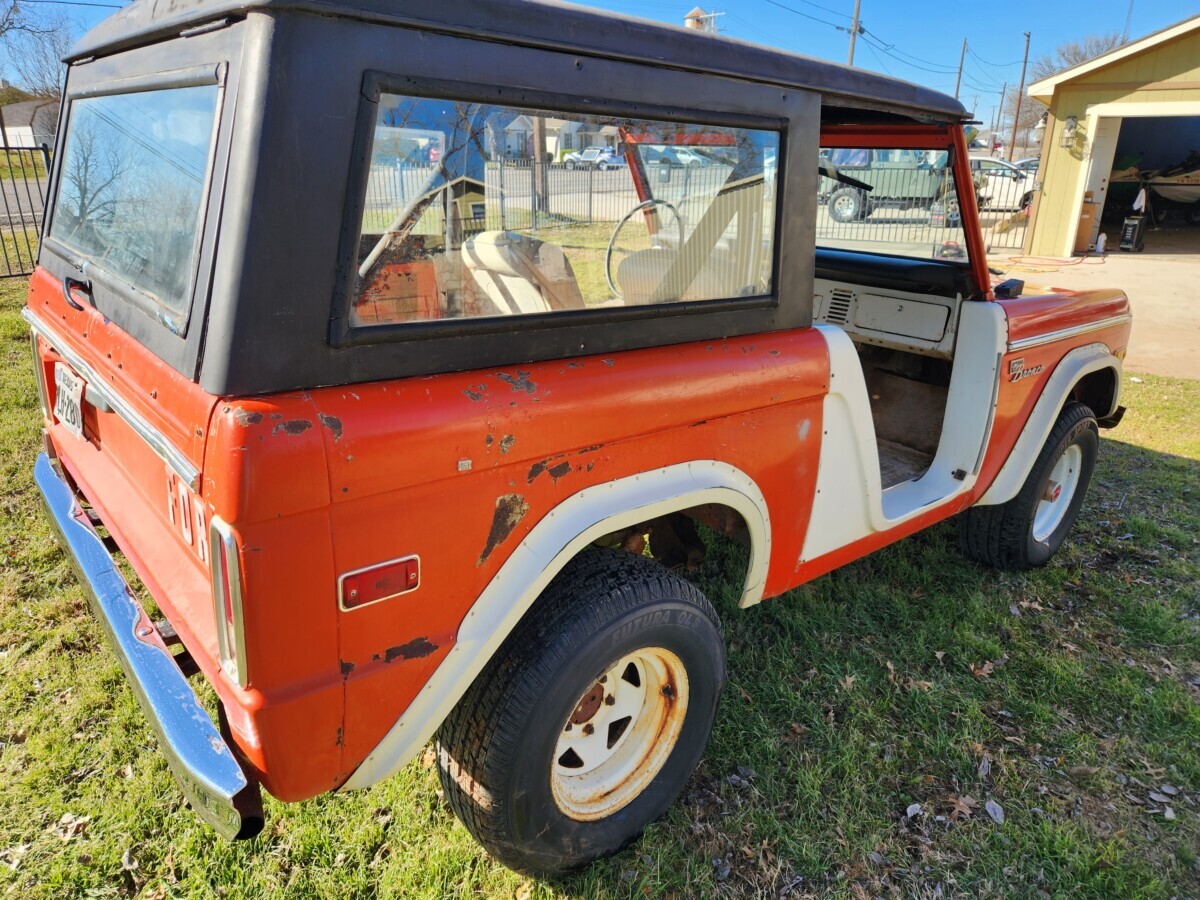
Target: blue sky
(916, 41)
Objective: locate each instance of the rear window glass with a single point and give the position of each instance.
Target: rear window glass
(474, 211)
(131, 188)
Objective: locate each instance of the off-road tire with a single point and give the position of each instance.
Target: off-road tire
(1002, 535)
(496, 749)
(847, 204)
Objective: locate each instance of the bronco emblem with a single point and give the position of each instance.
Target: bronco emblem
(1017, 369)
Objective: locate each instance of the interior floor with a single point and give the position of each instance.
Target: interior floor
(898, 463)
(908, 406)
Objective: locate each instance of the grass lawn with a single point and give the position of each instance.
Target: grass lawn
(1067, 701)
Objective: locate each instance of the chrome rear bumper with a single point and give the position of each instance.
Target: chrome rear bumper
(211, 777)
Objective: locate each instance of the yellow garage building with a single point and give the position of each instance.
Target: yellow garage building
(1143, 95)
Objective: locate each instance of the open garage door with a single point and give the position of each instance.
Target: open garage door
(1153, 147)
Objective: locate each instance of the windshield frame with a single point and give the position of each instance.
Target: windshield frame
(205, 59)
(948, 139)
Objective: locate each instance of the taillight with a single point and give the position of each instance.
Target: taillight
(227, 599)
(39, 374)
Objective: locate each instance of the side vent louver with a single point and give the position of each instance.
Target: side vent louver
(838, 311)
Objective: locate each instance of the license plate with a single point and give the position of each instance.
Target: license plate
(68, 399)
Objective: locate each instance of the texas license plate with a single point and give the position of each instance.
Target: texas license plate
(68, 399)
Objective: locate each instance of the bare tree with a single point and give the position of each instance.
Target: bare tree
(16, 18)
(35, 45)
(1067, 55)
(37, 58)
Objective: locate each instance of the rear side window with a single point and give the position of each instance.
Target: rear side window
(132, 186)
(475, 211)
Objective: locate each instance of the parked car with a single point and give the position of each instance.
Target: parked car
(601, 158)
(387, 482)
(1004, 186)
(1029, 164)
(899, 178)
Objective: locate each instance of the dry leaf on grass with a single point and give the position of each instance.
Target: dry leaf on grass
(996, 811)
(985, 766)
(848, 682)
(983, 671)
(128, 860)
(962, 807)
(70, 826)
(13, 855)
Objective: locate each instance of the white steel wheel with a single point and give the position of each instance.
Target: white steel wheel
(1060, 491)
(620, 734)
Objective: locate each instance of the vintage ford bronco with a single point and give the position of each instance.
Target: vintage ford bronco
(408, 433)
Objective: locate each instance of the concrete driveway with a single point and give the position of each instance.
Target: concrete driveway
(1163, 285)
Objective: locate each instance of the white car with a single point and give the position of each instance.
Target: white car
(595, 158)
(1004, 186)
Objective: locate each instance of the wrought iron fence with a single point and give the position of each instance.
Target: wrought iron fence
(24, 175)
(906, 216)
(503, 198)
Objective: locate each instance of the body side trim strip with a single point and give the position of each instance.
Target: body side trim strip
(1050, 337)
(179, 464)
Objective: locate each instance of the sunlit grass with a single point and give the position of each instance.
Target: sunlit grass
(850, 700)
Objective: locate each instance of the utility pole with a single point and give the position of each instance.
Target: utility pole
(538, 172)
(1020, 91)
(1000, 111)
(854, 30)
(961, 57)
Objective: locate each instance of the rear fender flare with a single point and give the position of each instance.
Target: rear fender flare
(558, 537)
(1077, 364)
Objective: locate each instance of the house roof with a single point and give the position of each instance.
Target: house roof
(556, 26)
(23, 114)
(1044, 90)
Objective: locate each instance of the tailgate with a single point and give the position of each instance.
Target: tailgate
(132, 439)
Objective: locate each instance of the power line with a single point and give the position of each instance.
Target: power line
(76, 3)
(878, 59)
(836, 12)
(805, 15)
(971, 50)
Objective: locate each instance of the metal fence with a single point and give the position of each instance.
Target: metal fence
(907, 216)
(23, 179)
(503, 198)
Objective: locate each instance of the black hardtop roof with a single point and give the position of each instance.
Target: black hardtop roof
(552, 25)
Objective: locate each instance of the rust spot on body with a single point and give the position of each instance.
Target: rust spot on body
(475, 392)
(519, 382)
(333, 423)
(417, 648)
(557, 472)
(346, 667)
(506, 443)
(510, 510)
(246, 419)
(292, 426)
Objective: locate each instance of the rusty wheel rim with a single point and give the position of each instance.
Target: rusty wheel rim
(620, 734)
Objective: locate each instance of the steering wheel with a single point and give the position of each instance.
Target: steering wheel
(612, 241)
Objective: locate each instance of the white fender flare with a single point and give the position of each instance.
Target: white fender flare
(1075, 365)
(560, 535)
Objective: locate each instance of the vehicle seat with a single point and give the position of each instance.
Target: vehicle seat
(642, 276)
(515, 273)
